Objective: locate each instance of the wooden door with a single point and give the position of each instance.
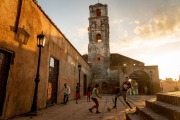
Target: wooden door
(52, 81)
(5, 59)
(85, 85)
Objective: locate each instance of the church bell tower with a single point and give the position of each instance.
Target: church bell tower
(98, 47)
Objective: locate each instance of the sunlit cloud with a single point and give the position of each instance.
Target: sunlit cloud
(77, 34)
(124, 43)
(82, 32)
(134, 22)
(116, 21)
(137, 22)
(125, 33)
(165, 24)
(84, 49)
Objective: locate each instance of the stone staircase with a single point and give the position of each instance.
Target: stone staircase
(166, 106)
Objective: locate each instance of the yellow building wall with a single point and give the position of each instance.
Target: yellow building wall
(20, 83)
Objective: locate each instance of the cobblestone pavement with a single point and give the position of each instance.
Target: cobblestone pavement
(73, 111)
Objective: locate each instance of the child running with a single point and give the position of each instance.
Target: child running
(88, 93)
(77, 92)
(94, 98)
(125, 87)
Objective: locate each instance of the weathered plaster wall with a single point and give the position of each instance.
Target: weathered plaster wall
(103, 8)
(20, 84)
(98, 52)
(167, 86)
(155, 77)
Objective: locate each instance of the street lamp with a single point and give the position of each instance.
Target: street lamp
(124, 68)
(176, 82)
(148, 87)
(176, 88)
(162, 85)
(79, 68)
(152, 91)
(40, 43)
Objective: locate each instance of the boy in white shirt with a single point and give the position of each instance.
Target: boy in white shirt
(67, 92)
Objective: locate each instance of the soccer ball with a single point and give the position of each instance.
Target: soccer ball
(109, 108)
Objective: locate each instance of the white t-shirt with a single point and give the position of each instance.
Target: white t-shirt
(67, 90)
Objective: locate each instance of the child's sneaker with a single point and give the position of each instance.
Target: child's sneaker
(114, 107)
(90, 110)
(97, 112)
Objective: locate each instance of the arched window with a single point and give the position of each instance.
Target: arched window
(99, 58)
(98, 12)
(104, 86)
(98, 38)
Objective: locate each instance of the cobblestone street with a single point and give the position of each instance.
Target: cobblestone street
(73, 111)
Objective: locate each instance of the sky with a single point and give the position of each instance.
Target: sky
(145, 30)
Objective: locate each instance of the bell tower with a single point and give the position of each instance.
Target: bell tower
(98, 47)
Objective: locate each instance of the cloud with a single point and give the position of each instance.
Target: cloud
(137, 22)
(164, 24)
(115, 21)
(77, 34)
(82, 32)
(125, 33)
(124, 43)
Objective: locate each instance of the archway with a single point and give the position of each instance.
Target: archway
(143, 81)
(104, 86)
(98, 38)
(98, 12)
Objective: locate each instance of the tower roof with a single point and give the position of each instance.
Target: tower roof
(98, 5)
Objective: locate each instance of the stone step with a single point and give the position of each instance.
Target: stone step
(148, 114)
(165, 109)
(133, 117)
(169, 97)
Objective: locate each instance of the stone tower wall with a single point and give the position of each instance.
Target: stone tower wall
(98, 52)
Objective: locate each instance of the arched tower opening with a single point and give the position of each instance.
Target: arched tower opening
(98, 38)
(98, 12)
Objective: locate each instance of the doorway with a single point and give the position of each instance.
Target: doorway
(5, 61)
(85, 85)
(52, 81)
(141, 78)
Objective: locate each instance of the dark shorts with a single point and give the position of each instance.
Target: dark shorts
(77, 95)
(123, 93)
(88, 93)
(95, 100)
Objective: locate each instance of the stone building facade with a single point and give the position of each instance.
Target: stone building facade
(109, 70)
(137, 71)
(20, 23)
(98, 49)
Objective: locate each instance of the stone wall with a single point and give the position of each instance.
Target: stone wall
(20, 23)
(167, 86)
(98, 51)
(153, 73)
